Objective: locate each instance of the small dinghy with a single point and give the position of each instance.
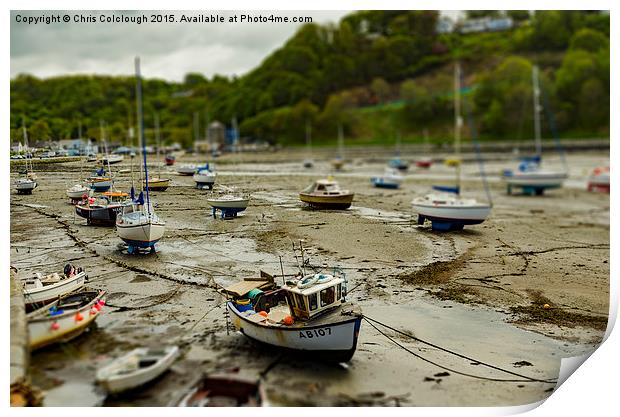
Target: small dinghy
(136, 368)
(326, 194)
(599, 180)
(103, 210)
(399, 164)
(390, 179)
(169, 160)
(64, 319)
(78, 192)
(156, 184)
(40, 289)
(425, 162)
(228, 204)
(307, 316)
(112, 159)
(223, 390)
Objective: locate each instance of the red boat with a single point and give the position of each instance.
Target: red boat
(169, 160)
(599, 180)
(424, 163)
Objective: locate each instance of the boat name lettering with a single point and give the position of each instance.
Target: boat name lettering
(309, 334)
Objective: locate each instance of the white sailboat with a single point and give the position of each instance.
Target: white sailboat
(205, 176)
(308, 162)
(338, 161)
(190, 169)
(450, 211)
(138, 225)
(157, 183)
(530, 176)
(77, 191)
(27, 183)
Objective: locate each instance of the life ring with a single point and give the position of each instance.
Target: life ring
(323, 278)
(307, 281)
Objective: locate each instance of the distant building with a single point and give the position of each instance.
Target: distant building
(485, 24)
(445, 25)
(216, 135)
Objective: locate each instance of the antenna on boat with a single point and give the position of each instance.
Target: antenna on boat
(282, 270)
(458, 122)
(303, 262)
(158, 141)
(141, 131)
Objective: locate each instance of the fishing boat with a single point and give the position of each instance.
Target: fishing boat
(326, 194)
(229, 205)
(40, 289)
(138, 225)
(204, 177)
(102, 210)
(64, 319)
(27, 183)
(223, 390)
(450, 211)
(599, 180)
(112, 159)
(169, 160)
(308, 316)
(136, 368)
(391, 178)
(157, 183)
(530, 177)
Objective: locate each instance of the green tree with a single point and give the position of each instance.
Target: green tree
(381, 89)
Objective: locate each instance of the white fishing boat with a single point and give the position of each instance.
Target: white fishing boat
(64, 319)
(450, 211)
(186, 169)
(530, 177)
(307, 316)
(599, 180)
(40, 289)
(136, 368)
(138, 225)
(391, 178)
(204, 177)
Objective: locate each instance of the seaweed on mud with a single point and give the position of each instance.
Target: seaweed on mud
(460, 294)
(543, 310)
(437, 272)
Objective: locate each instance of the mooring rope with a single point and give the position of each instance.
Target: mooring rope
(525, 377)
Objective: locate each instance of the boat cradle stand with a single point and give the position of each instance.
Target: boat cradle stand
(134, 249)
(205, 186)
(442, 226)
(227, 212)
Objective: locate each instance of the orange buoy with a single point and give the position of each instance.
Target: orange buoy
(288, 320)
(263, 313)
(93, 311)
(55, 326)
(546, 306)
(79, 317)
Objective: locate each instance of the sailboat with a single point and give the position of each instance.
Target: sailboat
(425, 161)
(78, 191)
(204, 176)
(99, 180)
(138, 225)
(396, 162)
(308, 162)
(26, 184)
(157, 183)
(338, 161)
(530, 177)
(450, 211)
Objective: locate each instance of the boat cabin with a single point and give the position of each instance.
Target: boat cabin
(316, 298)
(324, 187)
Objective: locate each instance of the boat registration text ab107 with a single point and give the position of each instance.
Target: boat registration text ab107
(309, 334)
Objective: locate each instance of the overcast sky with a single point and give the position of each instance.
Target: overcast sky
(167, 51)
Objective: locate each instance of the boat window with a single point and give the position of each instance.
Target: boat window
(299, 300)
(313, 301)
(320, 187)
(327, 296)
(338, 292)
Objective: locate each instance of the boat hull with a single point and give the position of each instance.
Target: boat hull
(446, 218)
(101, 184)
(99, 215)
(26, 187)
(382, 182)
(534, 182)
(240, 204)
(157, 184)
(333, 342)
(202, 180)
(186, 170)
(141, 235)
(49, 293)
(339, 202)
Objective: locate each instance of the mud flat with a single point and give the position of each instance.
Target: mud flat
(481, 292)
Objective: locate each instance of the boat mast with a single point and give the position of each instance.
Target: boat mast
(196, 128)
(25, 134)
(157, 140)
(141, 131)
(537, 108)
(207, 132)
(458, 122)
(105, 145)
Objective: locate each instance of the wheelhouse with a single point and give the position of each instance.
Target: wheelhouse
(311, 301)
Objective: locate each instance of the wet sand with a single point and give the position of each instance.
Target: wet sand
(479, 291)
